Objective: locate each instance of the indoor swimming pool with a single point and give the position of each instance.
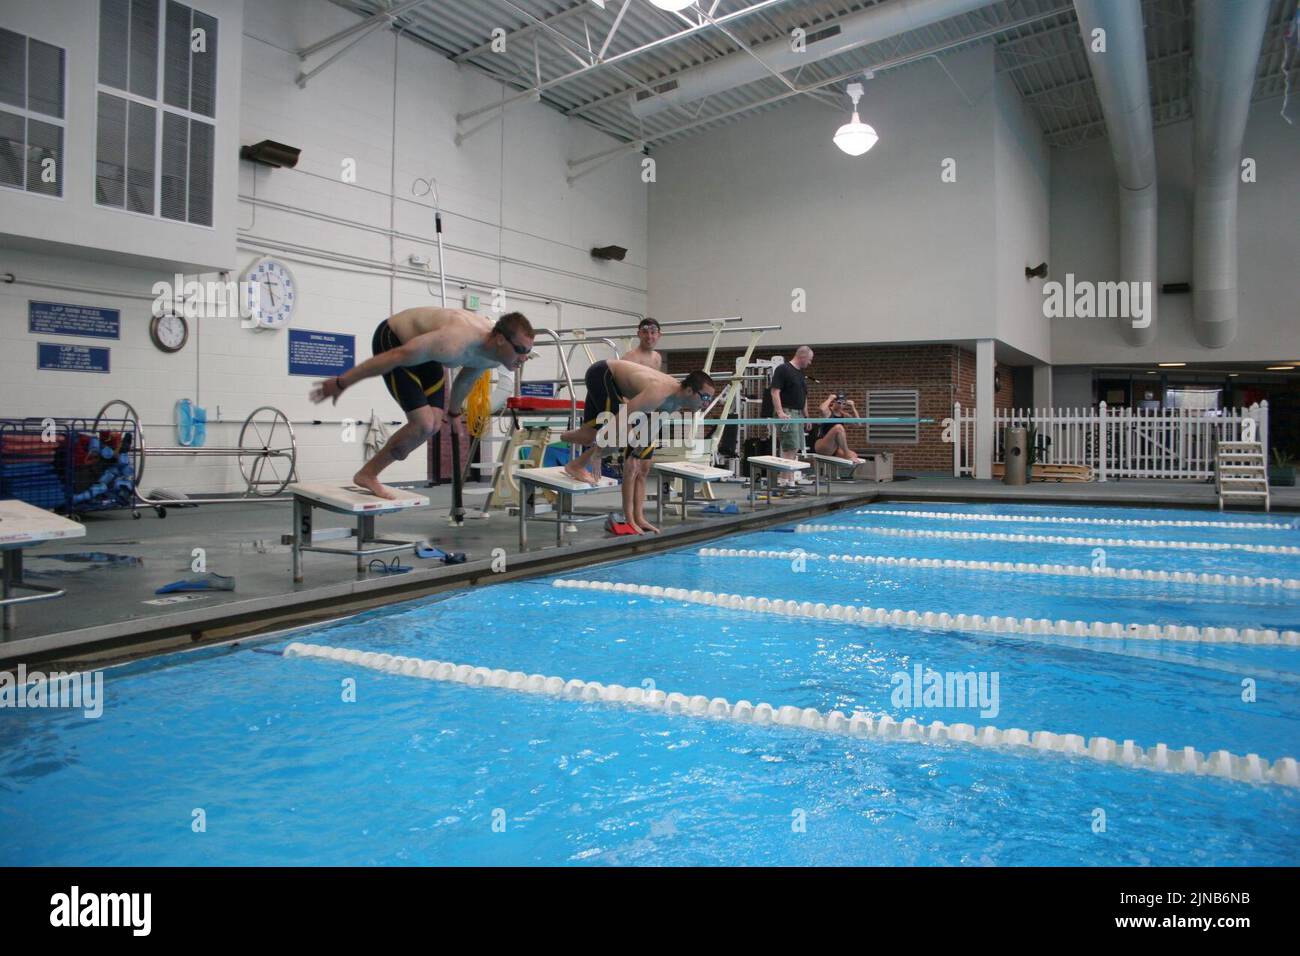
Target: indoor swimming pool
(667, 710)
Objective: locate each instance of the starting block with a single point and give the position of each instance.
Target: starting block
(760, 465)
(691, 473)
(346, 500)
(21, 526)
(564, 486)
(829, 464)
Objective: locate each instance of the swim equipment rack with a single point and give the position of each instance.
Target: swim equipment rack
(266, 442)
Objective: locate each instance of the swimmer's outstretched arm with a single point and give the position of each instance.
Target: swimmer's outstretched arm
(422, 348)
(466, 379)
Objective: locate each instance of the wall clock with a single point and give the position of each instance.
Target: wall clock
(169, 332)
(269, 293)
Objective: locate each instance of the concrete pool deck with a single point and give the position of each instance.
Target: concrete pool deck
(113, 572)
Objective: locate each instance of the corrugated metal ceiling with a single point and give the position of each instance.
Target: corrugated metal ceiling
(1037, 43)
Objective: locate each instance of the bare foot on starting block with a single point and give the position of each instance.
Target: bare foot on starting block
(373, 486)
(578, 473)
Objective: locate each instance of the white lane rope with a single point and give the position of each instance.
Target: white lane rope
(930, 620)
(1050, 539)
(1220, 763)
(1071, 519)
(1019, 567)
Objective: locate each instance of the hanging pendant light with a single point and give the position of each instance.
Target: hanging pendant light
(855, 137)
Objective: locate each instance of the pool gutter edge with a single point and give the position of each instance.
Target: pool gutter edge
(107, 644)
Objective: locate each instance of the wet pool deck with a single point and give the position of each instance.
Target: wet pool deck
(104, 615)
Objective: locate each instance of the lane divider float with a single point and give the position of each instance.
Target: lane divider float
(931, 620)
(1220, 763)
(1050, 539)
(1072, 519)
(1018, 567)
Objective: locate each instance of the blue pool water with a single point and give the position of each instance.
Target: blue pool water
(421, 772)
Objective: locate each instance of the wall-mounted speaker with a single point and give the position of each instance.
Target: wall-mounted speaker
(270, 153)
(1176, 288)
(1036, 272)
(616, 253)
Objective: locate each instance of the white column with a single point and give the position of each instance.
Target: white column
(1043, 386)
(984, 366)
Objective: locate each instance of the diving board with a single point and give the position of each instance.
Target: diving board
(691, 473)
(364, 505)
(564, 486)
(21, 526)
(760, 465)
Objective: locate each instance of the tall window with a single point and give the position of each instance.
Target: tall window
(31, 114)
(156, 110)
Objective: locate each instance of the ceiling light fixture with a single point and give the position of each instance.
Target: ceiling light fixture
(855, 137)
(672, 6)
(1171, 364)
(1281, 368)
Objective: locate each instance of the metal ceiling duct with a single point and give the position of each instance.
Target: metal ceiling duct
(885, 20)
(1120, 74)
(1225, 49)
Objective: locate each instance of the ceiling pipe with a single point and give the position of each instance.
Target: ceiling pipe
(872, 25)
(1120, 73)
(1225, 54)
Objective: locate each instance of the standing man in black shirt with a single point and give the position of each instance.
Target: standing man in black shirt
(789, 394)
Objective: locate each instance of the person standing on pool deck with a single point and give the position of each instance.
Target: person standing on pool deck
(788, 389)
(412, 351)
(635, 468)
(613, 384)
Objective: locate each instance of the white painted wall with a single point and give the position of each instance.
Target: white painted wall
(1022, 167)
(1085, 242)
(887, 252)
(73, 224)
(335, 238)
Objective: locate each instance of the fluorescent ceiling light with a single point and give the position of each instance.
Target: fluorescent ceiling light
(855, 137)
(1171, 364)
(1281, 368)
(671, 5)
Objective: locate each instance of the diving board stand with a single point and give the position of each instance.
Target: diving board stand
(760, 465)
(21, 526)
(347, 500)
(565, 487)
(691, 473)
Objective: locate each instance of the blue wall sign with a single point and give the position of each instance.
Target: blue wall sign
(86, 321)
(71, 358)
(321, 354)
(537, 389)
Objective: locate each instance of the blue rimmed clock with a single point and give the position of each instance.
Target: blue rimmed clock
(270, 293)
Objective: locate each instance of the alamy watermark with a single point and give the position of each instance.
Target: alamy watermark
(74, 690)
(1098, 300)
(955, 689)
(640, 429)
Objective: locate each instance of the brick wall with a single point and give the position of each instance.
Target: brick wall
(941, 373)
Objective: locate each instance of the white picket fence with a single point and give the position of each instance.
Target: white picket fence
(1120, 442)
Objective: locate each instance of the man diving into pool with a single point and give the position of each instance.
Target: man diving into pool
(612, 384)
(412, 351)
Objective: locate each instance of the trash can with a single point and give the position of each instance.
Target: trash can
(1015, 453)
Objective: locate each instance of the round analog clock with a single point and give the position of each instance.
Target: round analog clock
(269, 293)
(169, 332)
